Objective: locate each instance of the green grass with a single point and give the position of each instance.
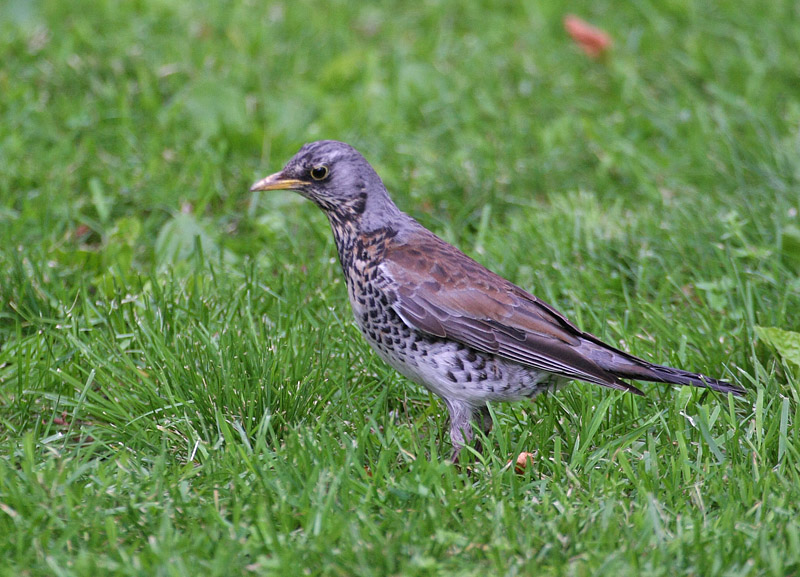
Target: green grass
(182, 391)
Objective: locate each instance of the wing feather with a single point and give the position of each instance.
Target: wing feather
(468, 303)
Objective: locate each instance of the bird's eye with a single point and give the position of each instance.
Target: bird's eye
(319, 172)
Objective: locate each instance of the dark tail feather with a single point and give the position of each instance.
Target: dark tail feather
(622, 386)
(661, 374)
(626, 366)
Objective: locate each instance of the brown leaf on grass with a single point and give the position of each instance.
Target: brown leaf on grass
(523, 460)
(81, 231)
(62, 420)
(593, 41)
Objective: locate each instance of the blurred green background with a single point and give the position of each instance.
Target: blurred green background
(182, 391)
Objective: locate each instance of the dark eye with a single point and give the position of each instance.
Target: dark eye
(319, 172)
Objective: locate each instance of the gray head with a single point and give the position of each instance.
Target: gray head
(336, 178)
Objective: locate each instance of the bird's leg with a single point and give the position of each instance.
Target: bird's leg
(464, 418)
(483, 421)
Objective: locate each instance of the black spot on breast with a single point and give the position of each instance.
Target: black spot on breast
(360, 203)
(451, 377)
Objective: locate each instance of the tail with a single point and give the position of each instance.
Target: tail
(662, 374)
(626, 366)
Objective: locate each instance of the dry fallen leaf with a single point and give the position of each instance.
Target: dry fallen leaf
(593, 41)
(523, 460)
(81, 230)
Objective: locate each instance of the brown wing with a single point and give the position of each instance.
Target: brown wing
(441, 291)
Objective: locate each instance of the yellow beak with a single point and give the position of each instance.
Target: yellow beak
(277, 182)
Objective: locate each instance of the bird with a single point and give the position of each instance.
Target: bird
(442, 319)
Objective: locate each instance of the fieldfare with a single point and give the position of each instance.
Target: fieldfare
(442, 319)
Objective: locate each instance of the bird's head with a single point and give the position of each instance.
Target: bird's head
(334, 176)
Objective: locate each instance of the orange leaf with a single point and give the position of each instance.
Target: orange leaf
(593, 41)
(523, 460)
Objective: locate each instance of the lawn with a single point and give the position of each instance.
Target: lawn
(182, 388)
